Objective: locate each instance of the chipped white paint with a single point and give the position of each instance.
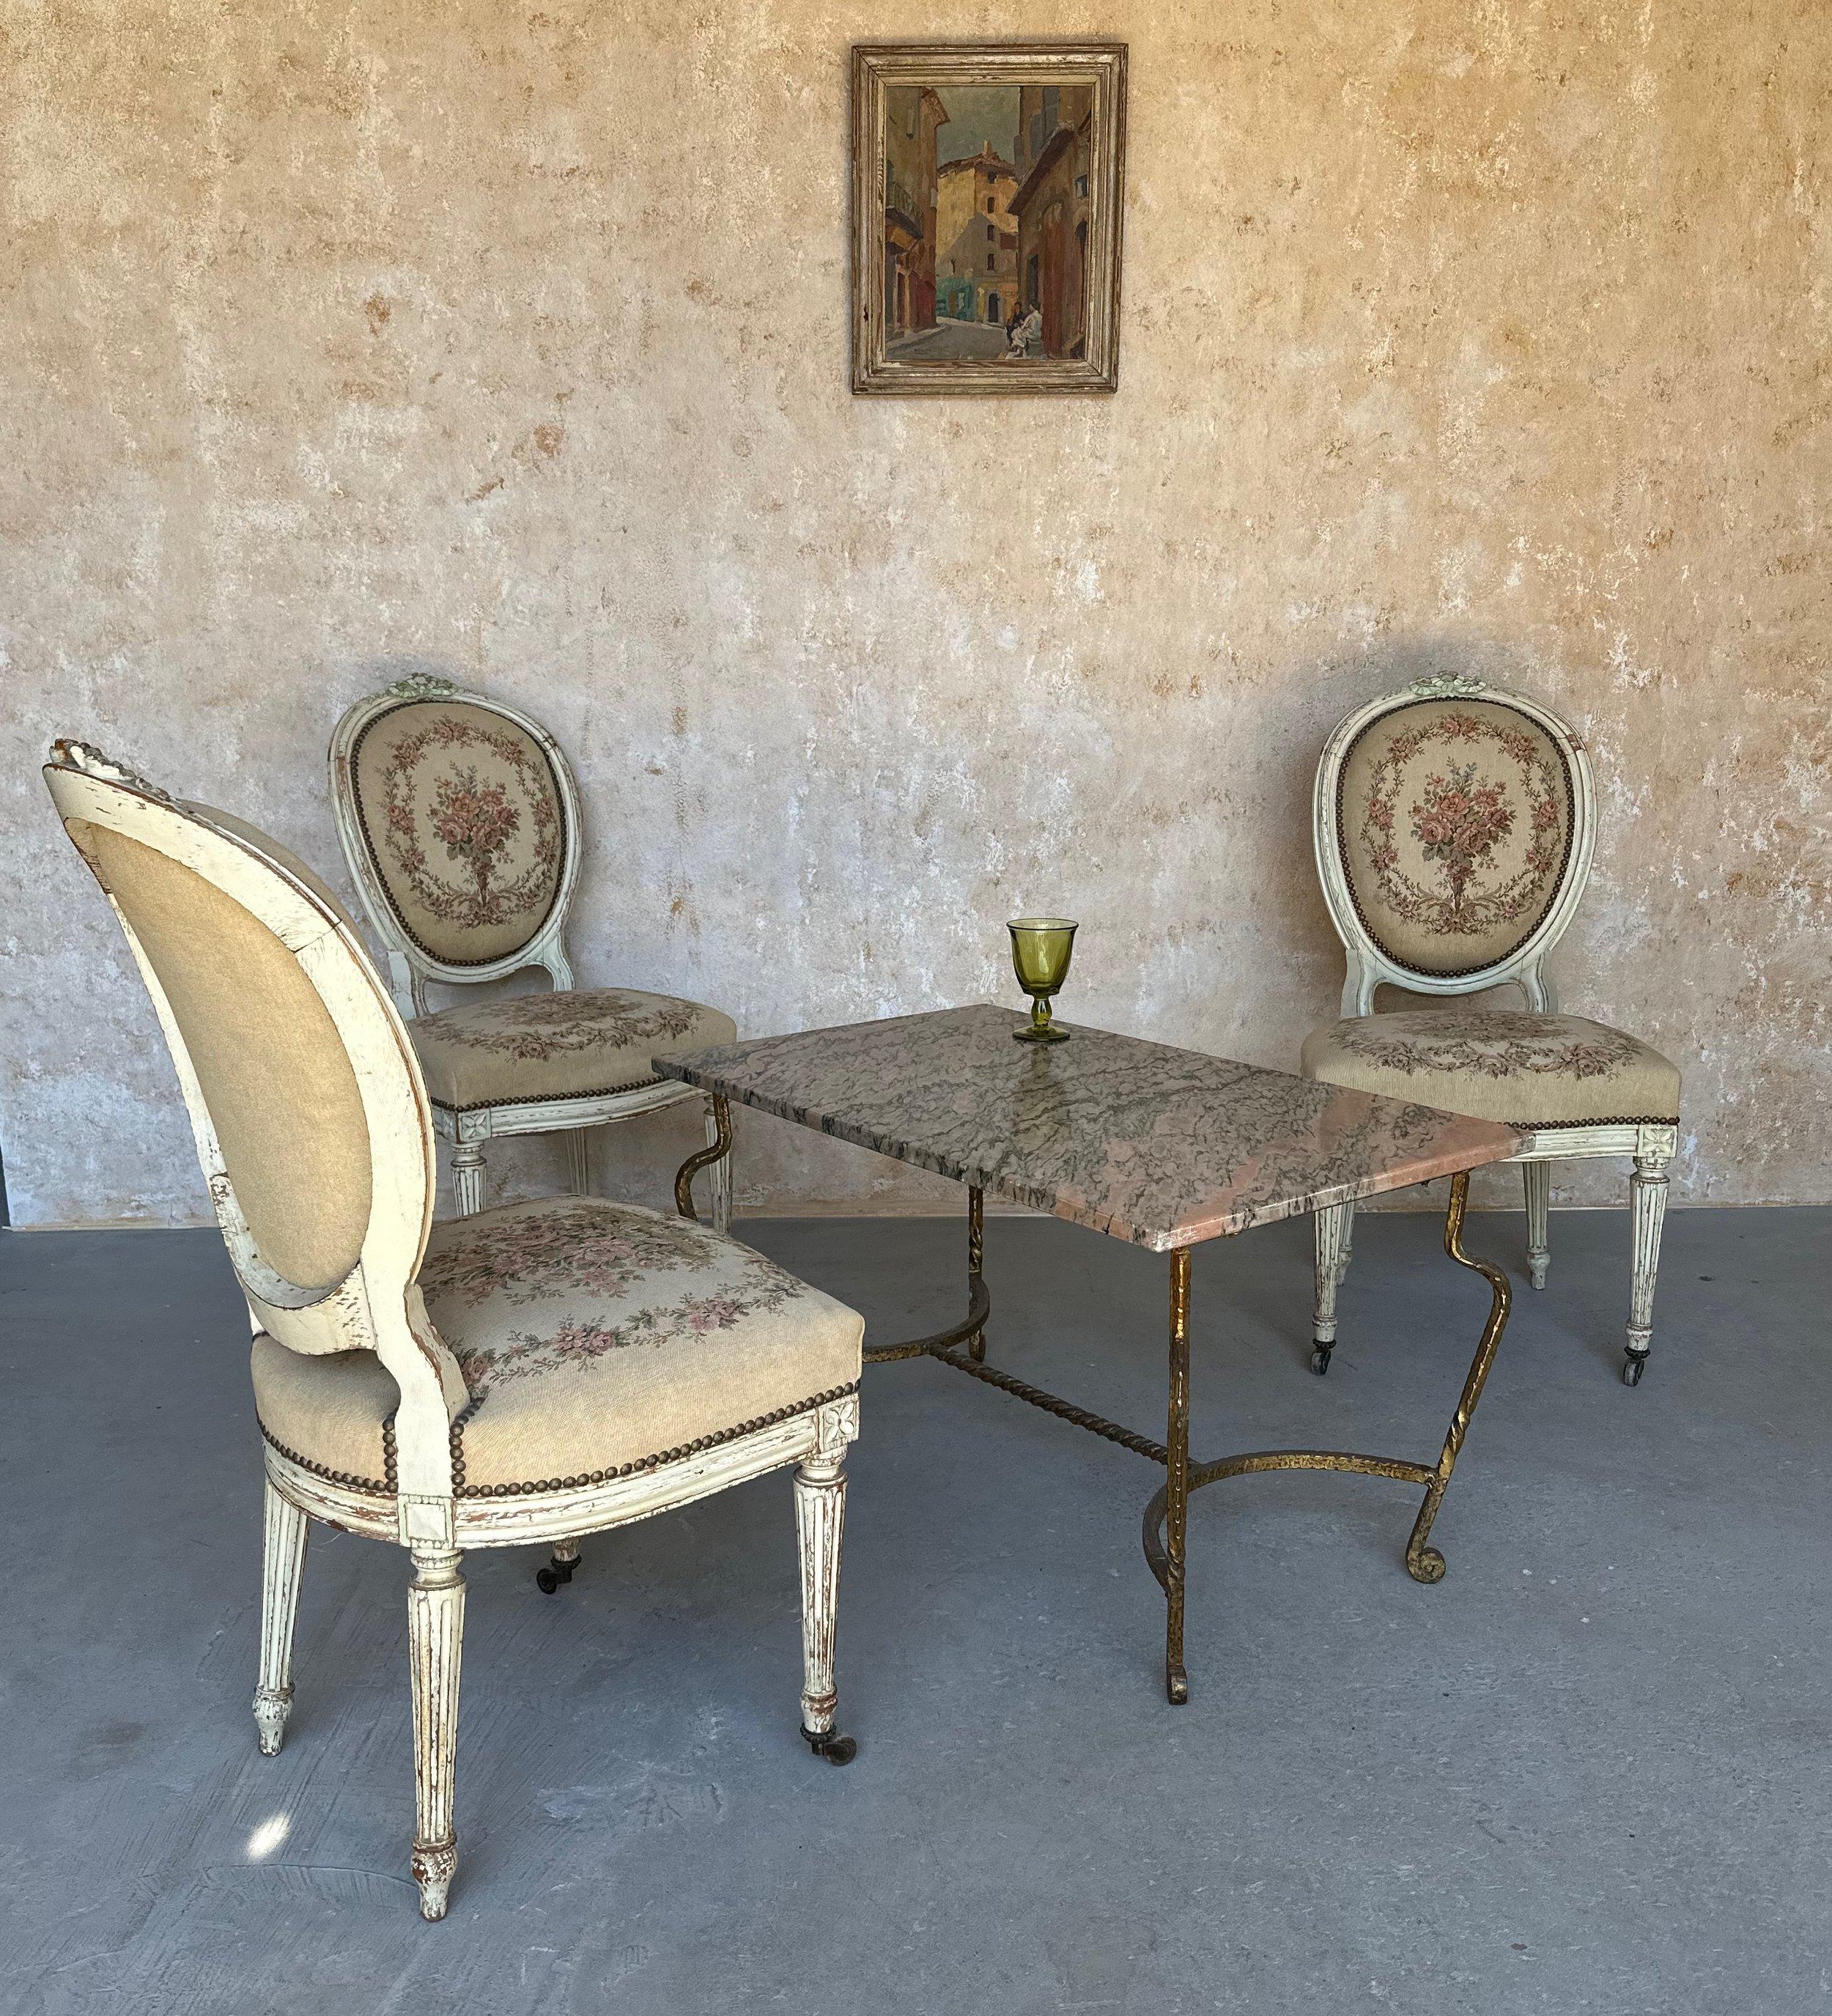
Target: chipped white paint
(1370, 968)
(378, 1306)
(411, 968)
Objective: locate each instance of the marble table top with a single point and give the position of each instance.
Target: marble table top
(1162, 1147)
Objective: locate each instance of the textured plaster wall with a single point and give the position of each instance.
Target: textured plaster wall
(508, 341)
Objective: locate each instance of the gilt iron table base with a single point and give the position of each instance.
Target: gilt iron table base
(964, 1346)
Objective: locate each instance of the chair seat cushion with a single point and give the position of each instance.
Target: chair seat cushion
(568, 1045)
(1497, 1063)
(594, 1339)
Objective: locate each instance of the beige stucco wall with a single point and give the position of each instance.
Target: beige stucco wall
(509, 343)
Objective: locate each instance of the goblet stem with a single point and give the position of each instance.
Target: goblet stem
(1040, 1012)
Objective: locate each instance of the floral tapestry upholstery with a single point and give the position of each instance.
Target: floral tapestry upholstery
(593, 1337)
(1497, 1063)
(560, 1045)
(1454, 821)
(461, 818)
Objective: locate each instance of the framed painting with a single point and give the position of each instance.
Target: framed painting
(988, 179)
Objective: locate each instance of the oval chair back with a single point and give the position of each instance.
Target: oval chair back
(1453, 825)
(305, 1100)
(460, 821)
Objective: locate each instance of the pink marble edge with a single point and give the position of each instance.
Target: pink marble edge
(1477, 1144)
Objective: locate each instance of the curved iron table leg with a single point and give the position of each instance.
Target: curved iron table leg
(1175, 1494)
(1164, 1550)
(1166, 1522)
(720, 1148)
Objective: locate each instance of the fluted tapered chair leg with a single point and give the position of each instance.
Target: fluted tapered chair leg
(820, 1514)
(283, 1562)
(1536, 1180)
(1331, 1228)
(467, 1178)
(1647, 1190)
(435, 1623)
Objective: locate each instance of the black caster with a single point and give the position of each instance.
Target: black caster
(837, 1749)
(1319, 1359)
(1634, 1364)
(556, 1574)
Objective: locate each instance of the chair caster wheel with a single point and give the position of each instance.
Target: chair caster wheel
(1426, 1566)
(555, 1574)
(1319, 1359)
(836, 1749)
(1634, 1364)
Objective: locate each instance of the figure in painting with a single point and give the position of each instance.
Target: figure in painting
(1024, 335)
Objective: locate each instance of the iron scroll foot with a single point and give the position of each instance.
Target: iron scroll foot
(829, 1744)
(1425, 1564)
(1163, 1540)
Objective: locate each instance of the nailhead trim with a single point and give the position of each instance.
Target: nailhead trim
(1608, 1120)
(457, 1438)
(648, 1463)
(551, 1098)
(343, 1477)
(391, 1487)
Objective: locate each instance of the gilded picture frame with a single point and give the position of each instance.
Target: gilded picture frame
(987, 192)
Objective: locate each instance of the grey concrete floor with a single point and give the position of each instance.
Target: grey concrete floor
(1588, 1772)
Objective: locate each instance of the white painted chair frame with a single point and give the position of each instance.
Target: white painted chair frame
(1651, 1148)
(378, 1306)
(410, 967)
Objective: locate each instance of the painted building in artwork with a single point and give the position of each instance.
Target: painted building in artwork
(976, 275)
(912, 116)
(1051, 208)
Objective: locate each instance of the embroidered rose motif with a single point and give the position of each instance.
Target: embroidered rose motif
(533, 1028)
(1444, 868)
(563, 1254)
(1488, 1042)
(496, 818)
(1458, 822)
(475, 820)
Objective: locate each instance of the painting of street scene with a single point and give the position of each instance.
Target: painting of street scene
(986, 222)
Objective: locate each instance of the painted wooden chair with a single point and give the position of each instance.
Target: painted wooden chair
(1454, 823)
(531, 1372)
(460, 821)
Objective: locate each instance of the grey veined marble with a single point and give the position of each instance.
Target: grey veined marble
(1162, 1147)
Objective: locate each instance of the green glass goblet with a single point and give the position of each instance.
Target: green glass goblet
(1040, 950)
